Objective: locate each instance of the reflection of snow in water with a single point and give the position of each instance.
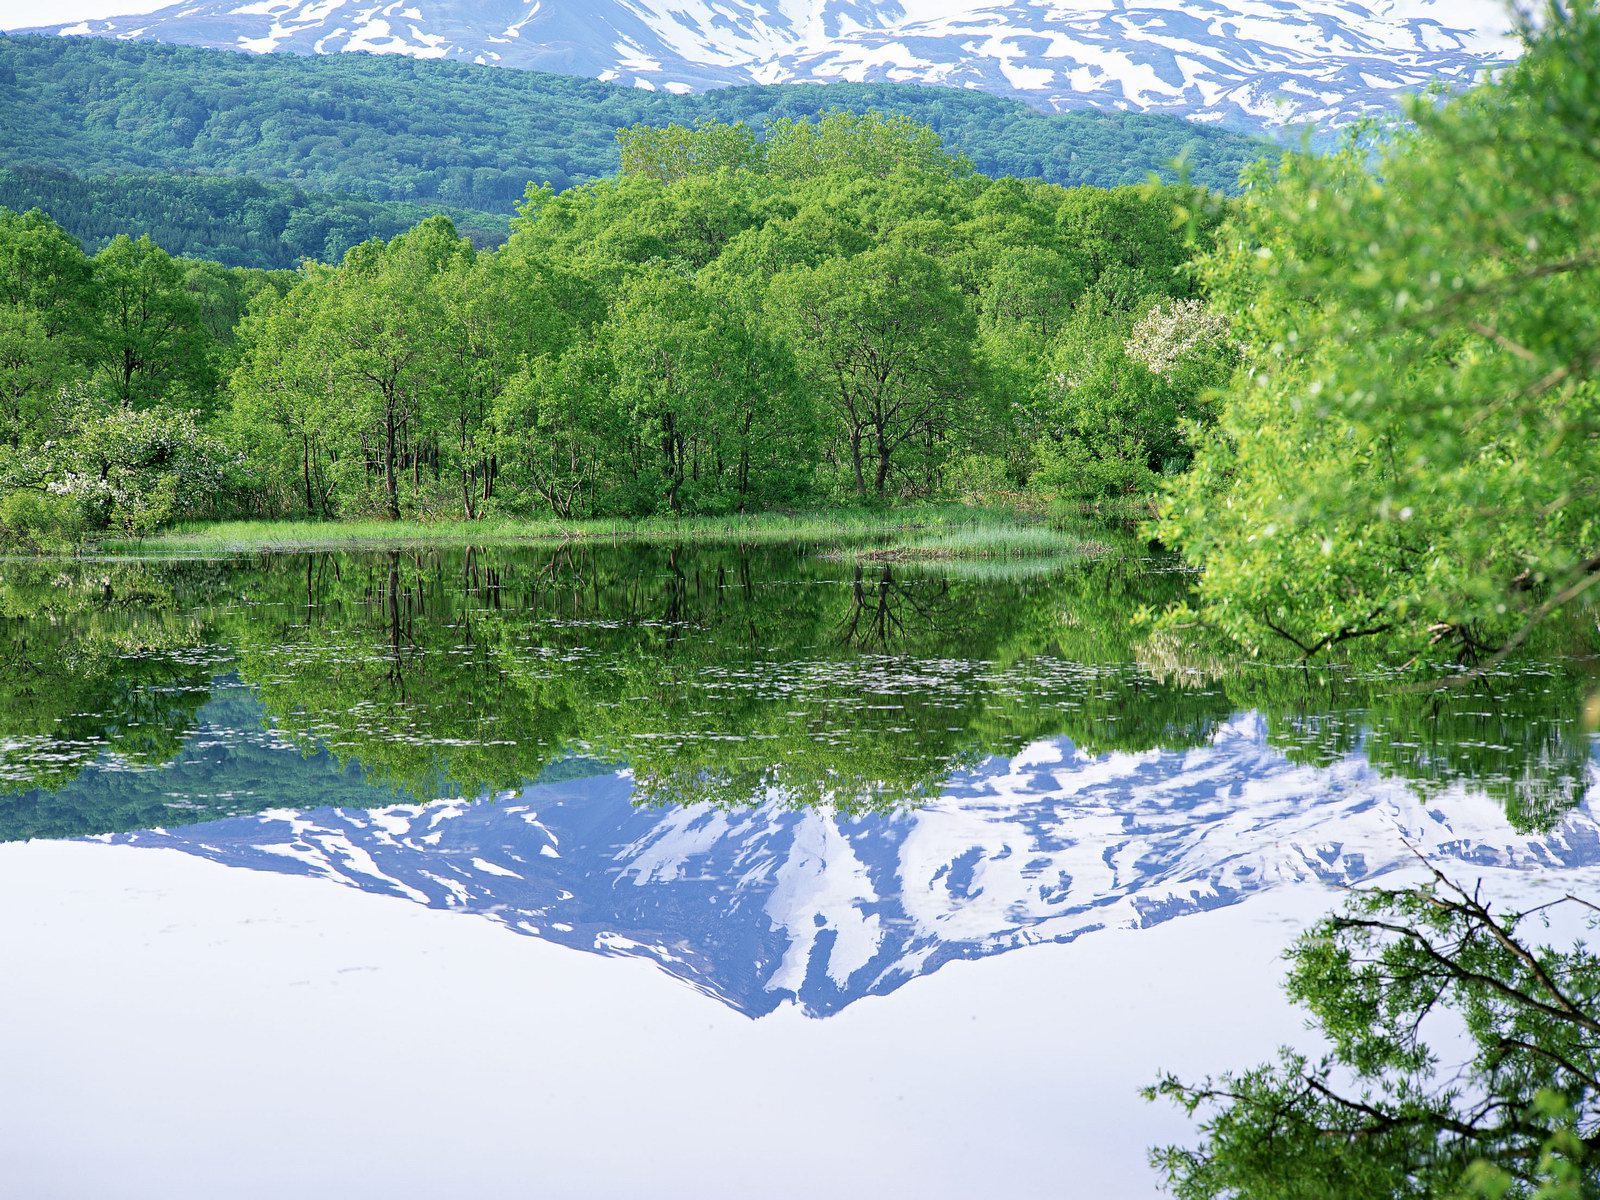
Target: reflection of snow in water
(761, 905)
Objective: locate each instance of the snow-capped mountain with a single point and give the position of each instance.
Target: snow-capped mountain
(1255, 63)
(761, 906)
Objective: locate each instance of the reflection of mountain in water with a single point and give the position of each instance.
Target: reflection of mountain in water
(756, 906)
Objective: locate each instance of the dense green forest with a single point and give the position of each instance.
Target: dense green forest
(387, 127)
(839, 311)
(230, 219)
(1366, 357)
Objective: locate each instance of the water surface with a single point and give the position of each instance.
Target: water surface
(783, 786)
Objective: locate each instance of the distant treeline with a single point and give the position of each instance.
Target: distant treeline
(228, 219)
(387, 127)
(841, 311)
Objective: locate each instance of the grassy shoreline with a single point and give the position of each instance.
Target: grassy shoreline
(931, 531)
(1008, 541)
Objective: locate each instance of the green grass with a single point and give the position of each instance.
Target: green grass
(928, 530)
(1003, 540)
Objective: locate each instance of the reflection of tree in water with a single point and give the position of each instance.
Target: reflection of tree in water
(733, 675)
(228, 765)
(736, 675)
(99, 659)
(875, 620)
(1517, 737)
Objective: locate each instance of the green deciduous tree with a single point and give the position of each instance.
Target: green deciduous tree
(148, 343)
(1407, 459)
(559, 433)
(870, 143)
(44, 306)
(1125, 398)
(671, 152)
(381, 330)
(718, 419)
(359, 358)
(284, 417)
(887, 339)
(34, 366)
(43, 270)
(499, 313)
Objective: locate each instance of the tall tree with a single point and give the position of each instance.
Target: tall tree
(285, 415)
(561, 433)
(870, 143)
(888, 340)
(501, 312)
(42, 269)
(367, 347)
(44, 307)
(715, 402)
(148, 342)
(34, 366)
(671, 152)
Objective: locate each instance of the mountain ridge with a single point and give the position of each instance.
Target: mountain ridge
(1249, 64)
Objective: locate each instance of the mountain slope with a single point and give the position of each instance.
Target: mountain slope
(764, 905)
(395, 129)
(1251, 63)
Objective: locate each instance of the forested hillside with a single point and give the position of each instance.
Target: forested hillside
(228, 219)
(395, 128)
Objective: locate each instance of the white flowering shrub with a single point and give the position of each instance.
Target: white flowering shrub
(115, 468)
(1175, 334)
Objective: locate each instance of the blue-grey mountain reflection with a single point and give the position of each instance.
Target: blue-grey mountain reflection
(767, 904)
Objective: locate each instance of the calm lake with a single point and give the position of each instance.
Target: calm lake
(612, 871)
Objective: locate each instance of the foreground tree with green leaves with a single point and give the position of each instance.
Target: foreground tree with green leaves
(1514, 1112)
(1407, 458)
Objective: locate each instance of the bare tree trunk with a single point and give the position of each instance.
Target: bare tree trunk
(305, 468)
(391, 484)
